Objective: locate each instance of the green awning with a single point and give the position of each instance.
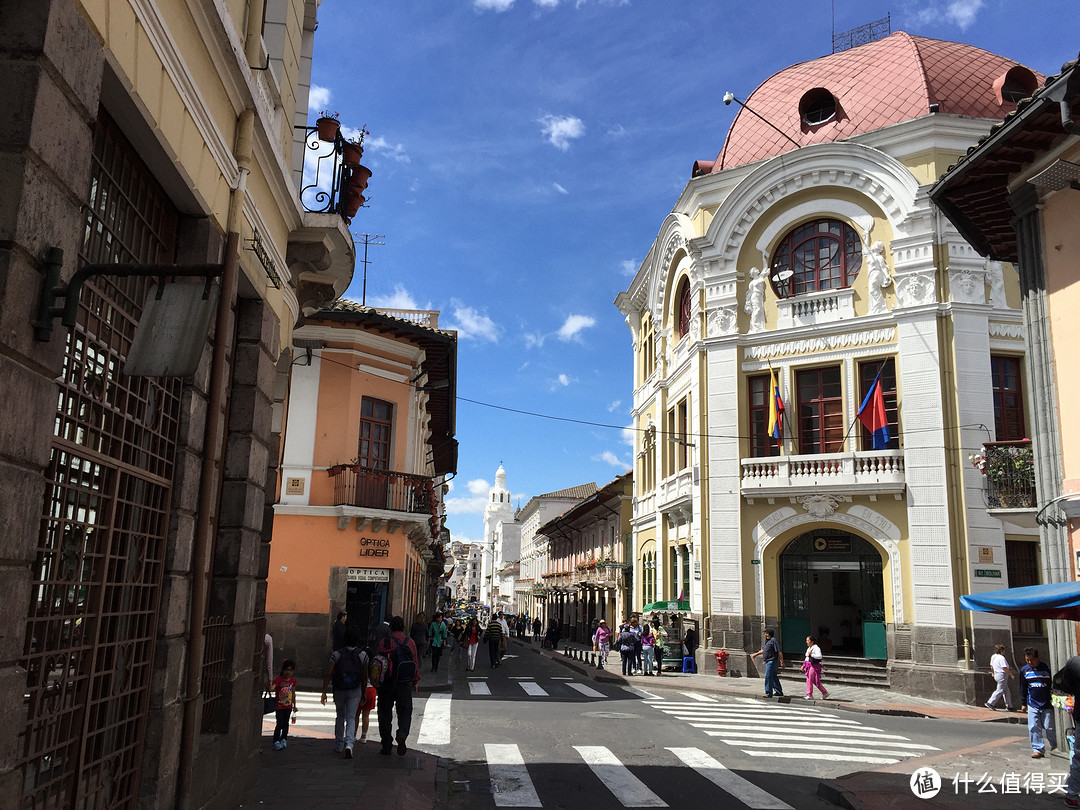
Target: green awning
(670, 607)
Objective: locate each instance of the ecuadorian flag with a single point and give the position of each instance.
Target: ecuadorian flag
(872, 415)
(776, 411)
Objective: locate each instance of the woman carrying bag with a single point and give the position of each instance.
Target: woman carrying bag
(1000, 667)
(812, 668)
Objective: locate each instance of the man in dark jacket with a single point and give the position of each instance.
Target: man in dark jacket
(773, 657)
(396, 691)
(494, 636)
(337, 630)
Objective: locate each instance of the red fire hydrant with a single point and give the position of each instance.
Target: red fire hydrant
(721, 662)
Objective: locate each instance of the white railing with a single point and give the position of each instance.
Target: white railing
(421, 317)
(645, 504)
(814, 308)
(870, 471)
(676, 487)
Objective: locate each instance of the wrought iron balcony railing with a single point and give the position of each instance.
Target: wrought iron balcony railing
(1009, 468)
(383, 489)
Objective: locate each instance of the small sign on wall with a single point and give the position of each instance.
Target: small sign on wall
(986, 554)
(369, 575)
(294, 486)
(988, 573)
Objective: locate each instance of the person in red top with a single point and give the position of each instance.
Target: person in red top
(284, 689)
(398, 688)
(472, 640)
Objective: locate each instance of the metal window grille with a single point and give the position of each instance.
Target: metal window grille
(92, 618)
(215, 631)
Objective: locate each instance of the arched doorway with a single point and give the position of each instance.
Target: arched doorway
(831, 586)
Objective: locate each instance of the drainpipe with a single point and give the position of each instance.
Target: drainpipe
(213, 448)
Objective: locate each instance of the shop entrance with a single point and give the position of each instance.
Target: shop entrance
(365, 602)
(831, 587)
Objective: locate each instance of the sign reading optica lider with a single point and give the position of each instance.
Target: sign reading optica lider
(369, 575)
(374, 547)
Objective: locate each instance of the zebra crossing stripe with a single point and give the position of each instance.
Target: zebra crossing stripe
(700, 698)
(587, 691)
(617, 778)
(838, 735)
(812, 755)
(479, 688)
(533, 688)
(853, 746)
(746, 792)
(641, 693)
(510, 782)
(435, 724)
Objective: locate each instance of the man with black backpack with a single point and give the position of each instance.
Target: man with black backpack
(348, 673)
(396, 690)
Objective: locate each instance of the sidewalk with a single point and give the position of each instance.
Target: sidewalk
(1037, 783)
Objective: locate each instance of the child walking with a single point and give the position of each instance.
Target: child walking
(284, 689)
(363, 711)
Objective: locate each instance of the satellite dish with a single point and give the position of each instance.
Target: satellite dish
(783, 276)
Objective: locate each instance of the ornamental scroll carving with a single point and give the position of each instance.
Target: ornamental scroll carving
(821, 506)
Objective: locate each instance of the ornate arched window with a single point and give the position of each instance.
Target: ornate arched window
(682, 304)
(824, 254)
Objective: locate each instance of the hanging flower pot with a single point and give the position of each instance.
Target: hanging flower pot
(358, 178)
(354, 198)
(351, 153)
(327, 126)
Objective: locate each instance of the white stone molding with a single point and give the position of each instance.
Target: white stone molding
(821, 344)
(754, 305)
(995, 277)
(862, 520)
(967, 286)
(722, 321)
(821, 505)
(1014, 331)
(818, 207)
(915, 289)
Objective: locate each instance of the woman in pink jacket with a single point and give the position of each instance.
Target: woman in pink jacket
(601, 641)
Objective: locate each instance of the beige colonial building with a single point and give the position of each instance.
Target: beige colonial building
(807, 258)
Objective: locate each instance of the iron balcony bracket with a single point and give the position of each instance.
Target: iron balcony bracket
(52, 290)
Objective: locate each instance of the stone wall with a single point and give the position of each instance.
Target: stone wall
(303, 637)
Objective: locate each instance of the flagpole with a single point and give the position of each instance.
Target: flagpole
(877, 376)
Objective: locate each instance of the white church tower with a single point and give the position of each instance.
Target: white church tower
(498, 511)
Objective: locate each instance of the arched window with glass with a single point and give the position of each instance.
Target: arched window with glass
(823, 254)
(682, 307)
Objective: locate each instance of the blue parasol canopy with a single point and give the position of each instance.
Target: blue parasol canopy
(1060, 600)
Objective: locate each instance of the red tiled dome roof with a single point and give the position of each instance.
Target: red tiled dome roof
(881, 83)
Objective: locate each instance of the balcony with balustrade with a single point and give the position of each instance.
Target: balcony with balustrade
(871, 472)
(384, 498)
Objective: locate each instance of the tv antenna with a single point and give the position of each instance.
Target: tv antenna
(367, 239)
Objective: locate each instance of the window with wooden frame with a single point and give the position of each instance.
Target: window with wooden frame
(758, 394)
(682, 304)
(868, 371)
(648, 347)
(821, 410)
(376, 432)
(824, 254)
(682, 437)
(1008, 392)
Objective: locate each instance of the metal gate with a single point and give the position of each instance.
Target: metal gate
(93, 612)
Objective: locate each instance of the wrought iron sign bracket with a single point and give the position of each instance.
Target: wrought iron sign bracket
(67, 310)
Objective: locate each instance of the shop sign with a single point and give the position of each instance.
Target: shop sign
(834, 545)
(374, 547)
(369, 575)
(989, 573)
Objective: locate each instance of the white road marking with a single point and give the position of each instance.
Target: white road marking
(587, 691)
(641, 693)
(532, 688)
(832, 757)
(477, 688)
(746, 792)
(700, 698)
(617, 778)
(510, 782)
(871, 747)
(435, 723)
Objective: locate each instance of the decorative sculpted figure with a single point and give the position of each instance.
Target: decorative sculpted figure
(879, 278)
(754, 305)
(996, 277)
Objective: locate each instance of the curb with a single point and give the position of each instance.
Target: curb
(831, 792)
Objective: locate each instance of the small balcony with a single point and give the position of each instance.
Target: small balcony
(810, 309)
(1009, 468)
(383, 490)
(873, 472)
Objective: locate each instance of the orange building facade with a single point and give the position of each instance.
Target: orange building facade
(368, 445)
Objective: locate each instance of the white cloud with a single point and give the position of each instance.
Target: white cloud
(471, 324)
(534, 340)
(616, 131)
(382, 147)
(560, 189)
(962, 13)
(571, 328)
(472, 504)
(629, 436)
(318, 99)
(610, 458)
(629, 267)
(614, 406)
(562, 381)
(400, 298)
(561, 129)
(547, 3)
(493, 5)
(478, 486)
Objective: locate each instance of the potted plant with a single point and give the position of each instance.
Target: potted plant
(353, 149)
(358, 177)
(327, 125)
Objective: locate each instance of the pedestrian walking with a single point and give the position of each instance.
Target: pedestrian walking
(472, 641)
(773, 657)
(627, 646)
(602, 641)
(1067, 680)
(337, 631)
(635, 630)
(505, 635)
(493, 636)
(648, 642)
(363, 712)
(812, 668)
(1035, 690)
(537, 627)
(436, 636)
(999, 665)
(284, 690)
(347, 672)
(397, 689)
(658, 650)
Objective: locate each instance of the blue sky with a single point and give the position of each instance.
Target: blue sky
(524, 155)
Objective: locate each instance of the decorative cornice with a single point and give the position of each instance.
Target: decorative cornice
(1016, 331)
(820, 344)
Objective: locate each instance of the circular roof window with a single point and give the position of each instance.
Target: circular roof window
(817, 106)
